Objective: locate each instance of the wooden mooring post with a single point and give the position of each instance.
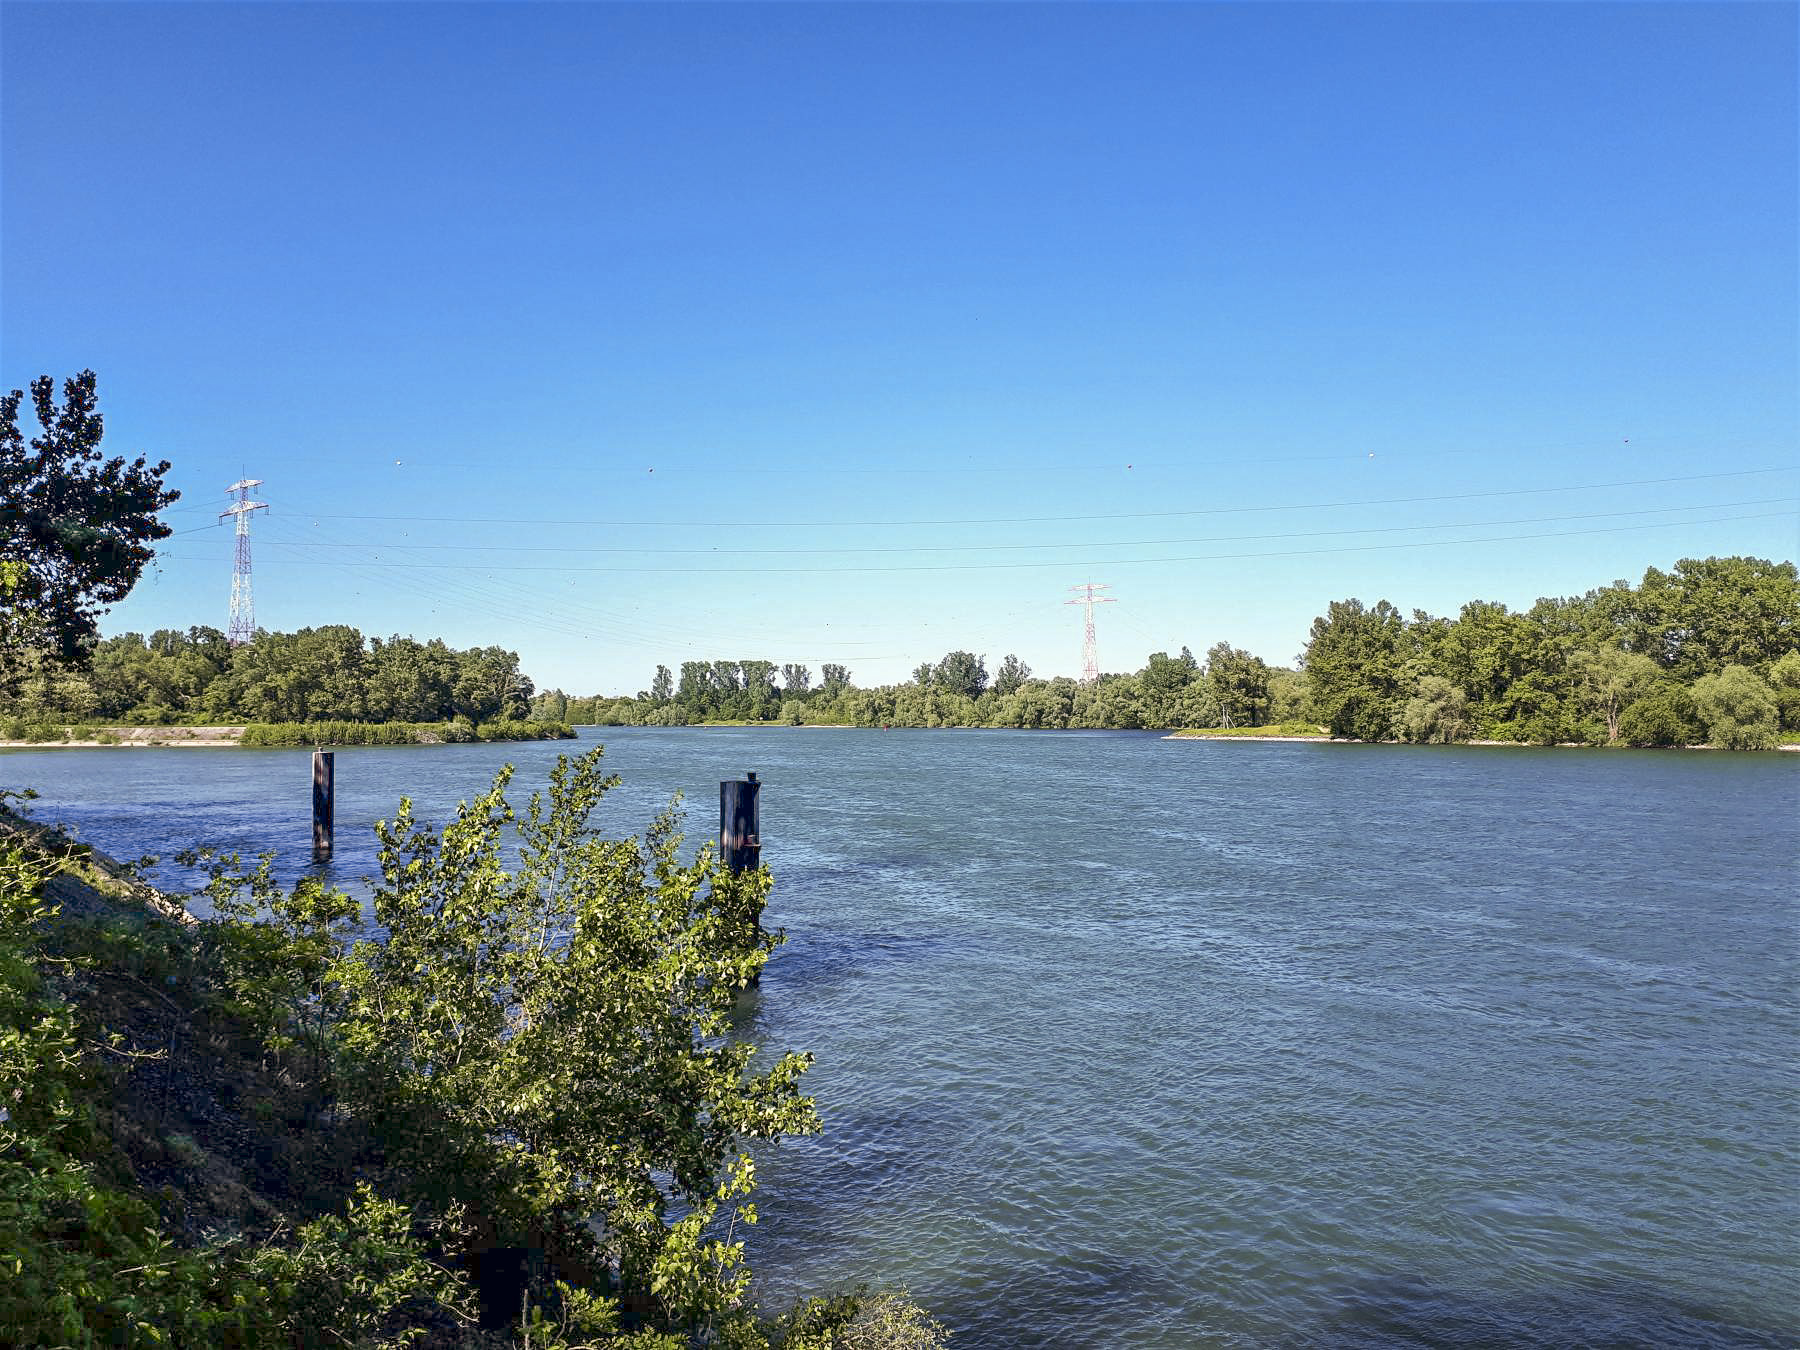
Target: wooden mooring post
(324, 777)
(740, 828)
(740, 834)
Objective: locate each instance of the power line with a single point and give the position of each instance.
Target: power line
(1014, 548)
(649, 466)
(500, 598)
(1003, 566)
(1041, 520)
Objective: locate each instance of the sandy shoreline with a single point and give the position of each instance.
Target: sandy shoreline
(1515, 745)
(1204, 736)
(161, 738)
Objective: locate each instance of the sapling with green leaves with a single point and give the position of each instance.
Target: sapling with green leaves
(549, 1039)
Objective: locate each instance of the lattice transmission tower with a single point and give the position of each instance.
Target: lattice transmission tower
(243, 608)
(1090, 652)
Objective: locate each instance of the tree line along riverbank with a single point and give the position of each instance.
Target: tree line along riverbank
(1707, 653)
(329, 673)
(16, 733)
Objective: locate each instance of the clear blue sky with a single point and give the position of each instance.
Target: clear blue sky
(626, 334)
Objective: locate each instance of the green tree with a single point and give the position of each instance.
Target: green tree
(1162, 685)
(833, 678)
(1353, 663)
(1287, 695)
(1012, 673)
(1168, 675)
(550, 1043)
(489, 684)
(1712, 612)
(1611, 680)
(662, 686)
(1784, 684)
(761, 700)
(1482, 651)
(727, 680)
(408, 681)
(75, 528)
(1115, 701)
(1239, 683)
(795, 680)
(1436, 714)
(1737, 708)
(1665, 716)
(961, 673)
(696, 693)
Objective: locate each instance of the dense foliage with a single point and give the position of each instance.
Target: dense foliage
(86, 1256)
(75, 527)
(551, 1041)
(402, 733)
(533, 1066)
(330, 673)
(1232, 688)
(1706, 653)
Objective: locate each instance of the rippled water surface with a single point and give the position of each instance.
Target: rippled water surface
(1131, 1042)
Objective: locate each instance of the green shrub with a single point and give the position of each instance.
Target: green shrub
(512, 729)
(36, 731)
(1738, 709)
(301, 734)
(1292, 728)
(1667, 717)
(1436, 714)
(1784, 684)
(868, 1319)
(543, 1033)
(83, 1258)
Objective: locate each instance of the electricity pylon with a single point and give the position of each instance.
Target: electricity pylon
(243, 609)
(1090, 653)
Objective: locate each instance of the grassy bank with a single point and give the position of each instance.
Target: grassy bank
(1286, 731)
(1306, 731)
(400, 733)
(16, 732)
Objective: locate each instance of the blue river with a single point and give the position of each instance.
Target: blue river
(1124, 1041)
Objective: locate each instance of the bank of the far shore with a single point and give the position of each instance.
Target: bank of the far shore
(340, 734)
(115, 737)
(1221, 734)
(277, 735)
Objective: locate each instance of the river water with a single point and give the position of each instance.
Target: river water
(1133, 1042)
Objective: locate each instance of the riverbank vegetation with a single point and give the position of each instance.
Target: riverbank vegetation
(17, 731)
(76, 529)
(1707, 653)
(402, 733)
(515, 1114)
(75, 535)
(1283, 731)
(326, 674)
